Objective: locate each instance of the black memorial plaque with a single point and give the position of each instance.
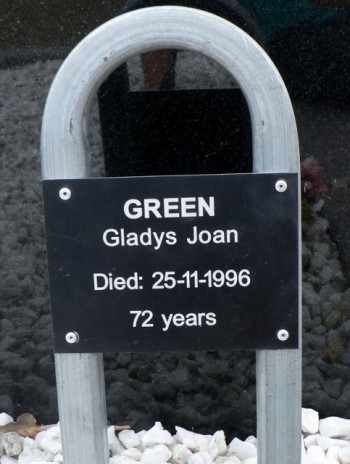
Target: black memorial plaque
(197, 262)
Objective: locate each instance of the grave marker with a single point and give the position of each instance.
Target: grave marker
(65, 164)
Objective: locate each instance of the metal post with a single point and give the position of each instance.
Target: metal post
(275, 149)
(82, 407)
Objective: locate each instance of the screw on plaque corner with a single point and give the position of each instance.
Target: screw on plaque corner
(283, 335)
(65, 193)
(72, 337)
(281, 186)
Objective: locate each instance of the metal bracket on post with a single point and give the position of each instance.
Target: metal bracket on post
(65, 156)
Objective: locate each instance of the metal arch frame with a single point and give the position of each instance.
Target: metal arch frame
(65, 155)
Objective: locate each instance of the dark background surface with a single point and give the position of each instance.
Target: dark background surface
(55, 23)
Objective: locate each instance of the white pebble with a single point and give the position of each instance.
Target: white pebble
(50, 440)
(310, 440)
(156, 455)
(157, 436)
(30, 443)
(129, 438)
(58, 458)
(141, 434)
(193, 441)
(326, 442)
(306, 459)
(28, 456)
(12, 444)
(228, 460)
(220, 441)
(122, 460)
(132, 453)
(181, 454)
(250, 461)
(309, 421)
(114, 444)
(316, 452)
(332, 453)
(8, 460)
(252, 439)
(5, 419)
(344, 455)
(202, 457)
(242, 449)
(211, 448)
(334, 427)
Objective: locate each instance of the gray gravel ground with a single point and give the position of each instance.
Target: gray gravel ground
(206, 391)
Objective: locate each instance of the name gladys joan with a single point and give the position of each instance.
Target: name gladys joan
(122, 238)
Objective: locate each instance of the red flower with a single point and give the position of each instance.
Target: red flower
(312, 184)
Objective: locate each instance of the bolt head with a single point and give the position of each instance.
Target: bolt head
(283, 335)
(65, 193)
(72, 337)
(281, 186)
